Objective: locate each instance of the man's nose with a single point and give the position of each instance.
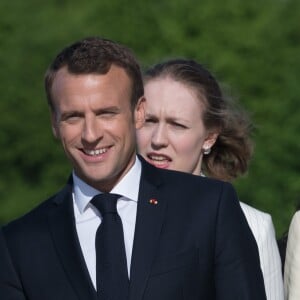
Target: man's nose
(91, 130)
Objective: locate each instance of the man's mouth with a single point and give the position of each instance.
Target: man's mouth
(95, 152)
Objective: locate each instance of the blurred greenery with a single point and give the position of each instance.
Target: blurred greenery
(252, 46)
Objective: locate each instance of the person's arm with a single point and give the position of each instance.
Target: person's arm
(292, 261)
(262, 228)
(10, 286)
(270, 261)
(237, 266)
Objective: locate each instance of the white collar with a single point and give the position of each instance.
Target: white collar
(128, 187)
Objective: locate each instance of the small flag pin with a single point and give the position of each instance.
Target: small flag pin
(153, 201)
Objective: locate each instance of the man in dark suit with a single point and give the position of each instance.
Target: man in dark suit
(184, 236)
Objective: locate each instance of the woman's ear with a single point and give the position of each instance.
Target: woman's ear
(210, 140)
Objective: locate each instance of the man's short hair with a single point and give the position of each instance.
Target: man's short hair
(95, 55)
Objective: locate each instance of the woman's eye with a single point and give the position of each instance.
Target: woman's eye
(150, 121)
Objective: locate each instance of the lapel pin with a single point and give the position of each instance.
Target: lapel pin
(153, 201)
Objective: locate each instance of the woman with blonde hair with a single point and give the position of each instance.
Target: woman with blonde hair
(191, 127)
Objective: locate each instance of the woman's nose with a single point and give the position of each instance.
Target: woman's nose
(160, 137)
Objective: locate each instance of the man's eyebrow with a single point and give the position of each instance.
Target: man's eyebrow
(71, 113)
(107, 108)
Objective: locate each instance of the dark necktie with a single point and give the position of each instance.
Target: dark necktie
(111, 265)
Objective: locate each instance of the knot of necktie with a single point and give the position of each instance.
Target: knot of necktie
(106, 203)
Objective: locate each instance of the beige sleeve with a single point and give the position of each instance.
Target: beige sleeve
(292, 261)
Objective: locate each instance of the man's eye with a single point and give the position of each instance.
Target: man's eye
(110, 113)
(107, 114)
(70, 118)
(178, 125)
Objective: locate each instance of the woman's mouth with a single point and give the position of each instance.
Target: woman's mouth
(159, 160)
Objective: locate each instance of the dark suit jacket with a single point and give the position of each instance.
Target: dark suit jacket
(194, 244)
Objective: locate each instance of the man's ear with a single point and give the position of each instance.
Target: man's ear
(54, 126)
(139, 113)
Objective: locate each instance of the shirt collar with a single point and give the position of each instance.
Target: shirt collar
(128, 187)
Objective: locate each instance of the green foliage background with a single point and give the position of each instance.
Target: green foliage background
(252, 46)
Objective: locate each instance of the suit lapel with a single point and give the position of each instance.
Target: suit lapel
(149, 220)
(62, 226)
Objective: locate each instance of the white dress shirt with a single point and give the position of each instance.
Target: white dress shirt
(88, 218)
(262, 228)
(292, 260)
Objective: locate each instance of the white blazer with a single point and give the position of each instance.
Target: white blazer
(263, 230)
(292, 260)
